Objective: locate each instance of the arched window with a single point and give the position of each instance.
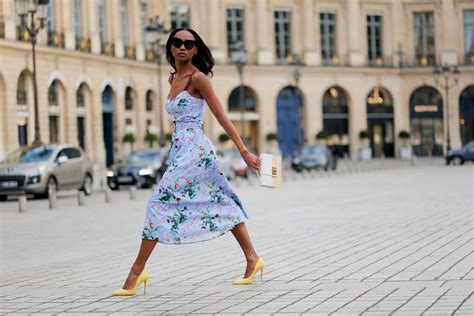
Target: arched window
(149, 101)
(80, 98)
(466, 115)
(249, 102)
(426, 117)
(53, 93)
(336, 119)
(21, 95)
(129, 99)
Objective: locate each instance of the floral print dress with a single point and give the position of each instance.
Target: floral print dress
(193, 201)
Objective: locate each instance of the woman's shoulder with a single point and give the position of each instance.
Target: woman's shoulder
(200, 77)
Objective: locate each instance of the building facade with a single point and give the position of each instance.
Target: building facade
(338, 66)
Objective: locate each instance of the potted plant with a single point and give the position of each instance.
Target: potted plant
(272, 139)
(272, 136)
(322, 136)
(365, 152)
(150, 138)
(223, 139)
(129, 139)
(405, 146)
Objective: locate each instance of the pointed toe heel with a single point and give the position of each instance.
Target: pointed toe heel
(249, 280)
(142, 278)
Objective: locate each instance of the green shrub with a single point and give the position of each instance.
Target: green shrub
(150, 138)
(404, 135)
(322, 135)
(223, 137)
(129, 138)
(272, 136)
(364, 134)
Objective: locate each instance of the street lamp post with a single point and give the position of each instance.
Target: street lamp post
(28, 9)
(157, 34)
(239, 58)
(445, 71)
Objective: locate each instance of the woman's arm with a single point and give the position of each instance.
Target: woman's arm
(204, 87)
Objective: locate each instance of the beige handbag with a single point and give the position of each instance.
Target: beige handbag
(270, 170)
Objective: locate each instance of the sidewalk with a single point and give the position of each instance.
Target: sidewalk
(388, 241)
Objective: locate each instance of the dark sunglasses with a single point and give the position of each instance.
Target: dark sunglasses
(188, 44)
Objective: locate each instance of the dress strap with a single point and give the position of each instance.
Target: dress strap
(189, 80)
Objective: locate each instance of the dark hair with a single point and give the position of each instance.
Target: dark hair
(203, 59)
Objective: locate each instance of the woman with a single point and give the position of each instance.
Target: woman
(193, 201)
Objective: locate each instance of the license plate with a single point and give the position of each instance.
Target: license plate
(9, 184)
(124, 179)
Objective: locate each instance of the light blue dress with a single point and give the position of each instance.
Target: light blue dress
(193, 201)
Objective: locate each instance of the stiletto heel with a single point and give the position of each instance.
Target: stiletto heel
(249, 280)
(142, 278)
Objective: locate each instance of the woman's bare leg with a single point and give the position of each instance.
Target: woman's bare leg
(241, 234)
(144, 253)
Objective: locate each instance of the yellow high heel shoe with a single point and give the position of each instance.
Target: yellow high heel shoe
(249, 280)
(142, 278)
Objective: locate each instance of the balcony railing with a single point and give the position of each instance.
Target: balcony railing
(150, 55)
(2, 29)
(426, 60)
(108, 49)
(22, 34)
(83, 44)
(55, 39)
(130, 52)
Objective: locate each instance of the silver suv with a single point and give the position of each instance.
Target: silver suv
(45, 168)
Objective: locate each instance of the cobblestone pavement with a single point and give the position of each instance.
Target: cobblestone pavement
(396, 241)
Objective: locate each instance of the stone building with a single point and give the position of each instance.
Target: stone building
(364, 65)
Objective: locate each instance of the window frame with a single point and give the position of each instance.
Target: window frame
(377, 52)
(329, 54)
(282, 52)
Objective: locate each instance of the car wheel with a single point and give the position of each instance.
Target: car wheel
(87, 185)
(3, 198)
(457, 160)
(51, 186)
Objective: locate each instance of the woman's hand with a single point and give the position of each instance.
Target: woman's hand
(251, 160)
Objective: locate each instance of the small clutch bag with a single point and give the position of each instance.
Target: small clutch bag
(270, 170)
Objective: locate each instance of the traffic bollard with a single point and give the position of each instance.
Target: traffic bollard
(81, 198)
(108, 195)
(22, 203)
(133, 193)
(52, 199)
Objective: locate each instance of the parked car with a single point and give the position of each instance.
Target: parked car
(42, 169)
(314, 157)
(142, 168)
(459, 156)
(232, 164)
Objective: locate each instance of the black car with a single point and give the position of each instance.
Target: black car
(314, 157)
(459, 156)
(142, 169)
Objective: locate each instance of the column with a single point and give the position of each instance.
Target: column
(9, 16)
(214, 27)
(92, 12)
(116, 31)
(265, 52)
(311, 55)
(136, 22)
(450, 25)
(69, 36)
(140, 118)
(356, 58)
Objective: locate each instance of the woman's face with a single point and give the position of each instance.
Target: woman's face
(183, 46)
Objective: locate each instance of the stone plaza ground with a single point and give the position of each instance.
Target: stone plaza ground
(390, 241)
